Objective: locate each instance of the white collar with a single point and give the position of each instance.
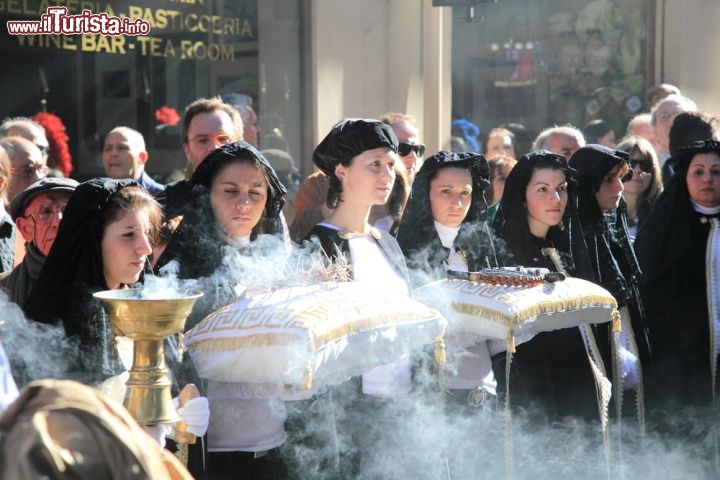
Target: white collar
(705, 210)
(447, 234)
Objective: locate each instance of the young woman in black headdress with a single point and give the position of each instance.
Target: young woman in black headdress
(103, 243)
(443, 228)
(359, 157)
(538, 221)
(601, 173)
(232, 221)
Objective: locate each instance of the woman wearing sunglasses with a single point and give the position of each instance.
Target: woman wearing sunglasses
(645, 186)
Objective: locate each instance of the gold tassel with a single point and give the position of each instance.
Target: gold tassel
(616, 324)
(511, 342)
(440, 352)
(307, 378)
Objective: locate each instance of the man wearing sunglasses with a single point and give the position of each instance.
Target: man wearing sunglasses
(37, 212)
(27, 164)
(410, 149)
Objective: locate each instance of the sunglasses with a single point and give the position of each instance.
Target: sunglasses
(644, 165)
(405, 148)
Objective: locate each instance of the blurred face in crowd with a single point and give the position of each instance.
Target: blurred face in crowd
(26, 166)
(41, 219)
(125, 247)
(563, 144)
(238, 196)
(251, 130)
(207, 132)
(369, 178)
(642, 174)
(450, 195)
(703, 179)
(545, 198)
(31, 132)
(610, 191)
(123, 156)
(500, 145)
(498, 181)
(664, 116)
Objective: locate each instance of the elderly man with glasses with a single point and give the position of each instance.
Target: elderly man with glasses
(37, 212)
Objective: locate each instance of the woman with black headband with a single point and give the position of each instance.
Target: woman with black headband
(601, 174)
(558, 370)
(443, 228)
(677, 248)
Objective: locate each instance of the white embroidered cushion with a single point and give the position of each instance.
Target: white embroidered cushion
(296, 335)
(479, 310)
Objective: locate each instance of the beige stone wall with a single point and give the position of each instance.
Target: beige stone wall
(373, 56)
(691, 49)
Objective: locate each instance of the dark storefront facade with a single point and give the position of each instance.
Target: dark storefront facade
(196, 48)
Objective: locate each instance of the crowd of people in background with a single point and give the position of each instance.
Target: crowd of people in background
(636, 212)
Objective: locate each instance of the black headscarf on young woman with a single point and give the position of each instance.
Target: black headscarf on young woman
(511, 223)
(196, 243)
(73, 271)
(417, 235)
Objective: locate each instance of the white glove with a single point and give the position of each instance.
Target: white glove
(195, 414)
(158, 432)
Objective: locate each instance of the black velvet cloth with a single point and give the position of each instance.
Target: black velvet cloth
(615, 266)
(351, 137)
(671, 248)
(417, 236)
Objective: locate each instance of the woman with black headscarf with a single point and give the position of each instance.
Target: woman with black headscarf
(88, 255)
(677, 250)
(232, 221)
(444, 228)
(537, 219)
(601, 172)
(103, 243)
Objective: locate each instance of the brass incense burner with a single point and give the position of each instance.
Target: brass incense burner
(147, 321)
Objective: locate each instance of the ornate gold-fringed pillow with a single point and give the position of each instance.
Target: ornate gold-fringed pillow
(477, 310)
(297, 335)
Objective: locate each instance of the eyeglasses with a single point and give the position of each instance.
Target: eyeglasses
(45, 213)
(644, 165)
(405, 148)
(30, 169)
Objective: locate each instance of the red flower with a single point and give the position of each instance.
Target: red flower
(167, 115)
(57, 137)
